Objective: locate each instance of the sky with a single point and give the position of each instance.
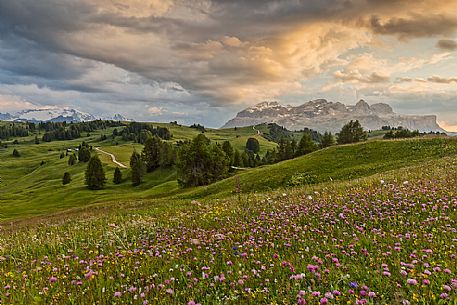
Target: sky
(205, 60)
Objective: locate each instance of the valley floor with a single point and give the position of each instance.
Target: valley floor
(386, 239)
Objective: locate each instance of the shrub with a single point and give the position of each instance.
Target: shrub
(16, 153)
(302, 179)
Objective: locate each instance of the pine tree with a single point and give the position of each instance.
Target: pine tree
(72, 160)
(200, 163)
(237, 161)
(138, 168)
(228, 150)
(95, 175)
(84, 154)
(151, 153)
(66, 178)
(352, 132)
(252, 144)
(292, 148)
(305, 146)
(167, 155)
(245, 159)
(117, 179)
(327, 140)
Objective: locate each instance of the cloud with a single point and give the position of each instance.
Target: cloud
(155, 110)
(442, 80)
(433, 79)
(208, 53)
(12, 103)
(447, 44)
(374, 77)
(414, 25)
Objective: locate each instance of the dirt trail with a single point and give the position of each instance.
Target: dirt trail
(113, 158)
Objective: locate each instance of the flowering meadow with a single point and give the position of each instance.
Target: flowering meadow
(387, 239)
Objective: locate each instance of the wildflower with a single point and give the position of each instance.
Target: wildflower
(52, 279)
(324, 301)
(117, 294)
(301, 301)
(353, 284)
(412, 282)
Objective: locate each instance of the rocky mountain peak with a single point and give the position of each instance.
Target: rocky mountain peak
(362, 107)
(323, 115)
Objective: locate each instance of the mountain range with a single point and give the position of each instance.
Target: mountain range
(55, 114)
(322, 115)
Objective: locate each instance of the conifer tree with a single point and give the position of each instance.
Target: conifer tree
(327, 140)
(66, 178)
(95, 175)
(16, 153)
(237, 159)
(200, 163)
(167, 155)
(117, 179)
(72, 160)
(138, 168)
(228, 150)
(151, 153)
(253, 145)
(352, 132)
(306, 145)
(84, 154)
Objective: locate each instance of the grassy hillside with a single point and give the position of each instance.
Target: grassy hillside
(29, 188)
(353, 242)
(337, 163)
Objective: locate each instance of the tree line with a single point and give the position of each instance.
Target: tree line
(13, 130)
(60, 131)
(140, 132)
(202, 162)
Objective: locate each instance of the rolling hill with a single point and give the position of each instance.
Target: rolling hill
(29, 187)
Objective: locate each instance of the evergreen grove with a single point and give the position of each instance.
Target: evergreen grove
(202, 162)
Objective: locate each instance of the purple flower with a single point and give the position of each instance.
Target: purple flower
(444, 295)
(117, 294)
(412, 282)
(353, 284)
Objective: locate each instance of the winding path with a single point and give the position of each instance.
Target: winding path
(113, 158)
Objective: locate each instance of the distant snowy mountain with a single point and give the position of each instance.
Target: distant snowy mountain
(51, 114)
(322, 115)
(55, 114)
